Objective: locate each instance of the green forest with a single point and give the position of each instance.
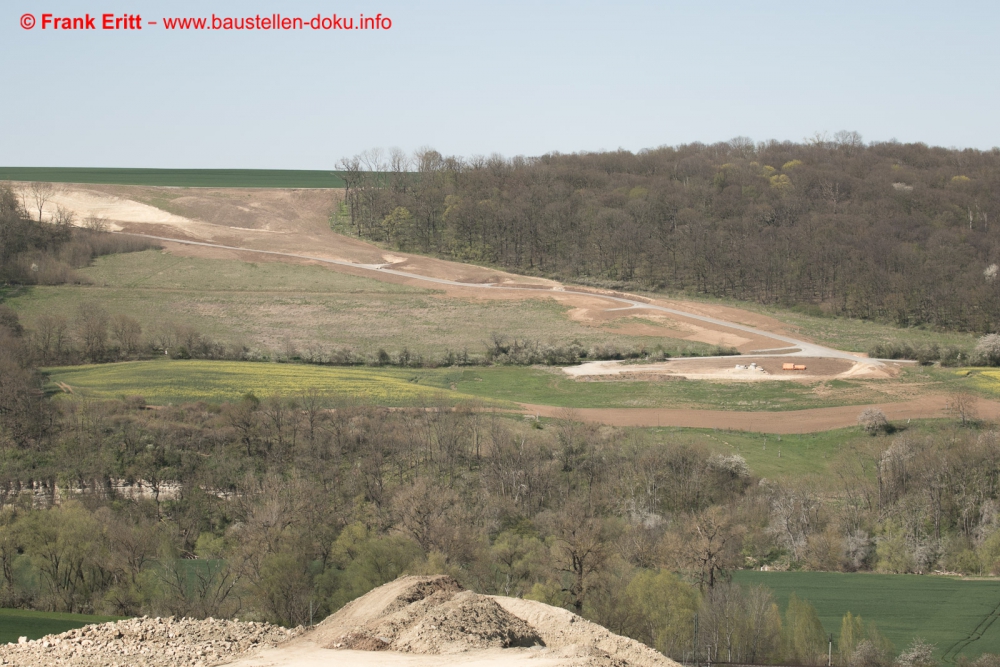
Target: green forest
(904, 233)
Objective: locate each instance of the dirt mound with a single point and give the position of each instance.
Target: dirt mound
(569, 635)
(147, 642)
(428, 615)
(434, 616)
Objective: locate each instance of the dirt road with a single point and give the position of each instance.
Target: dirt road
(789, 421)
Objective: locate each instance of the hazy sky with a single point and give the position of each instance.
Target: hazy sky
(477, 78)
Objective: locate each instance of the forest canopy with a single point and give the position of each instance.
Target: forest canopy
(899, 232)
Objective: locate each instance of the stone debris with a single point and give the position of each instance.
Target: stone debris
(436, 616)
(148, 642)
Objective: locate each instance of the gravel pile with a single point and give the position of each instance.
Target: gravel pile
(434, 615)
(442, 623)
(147, 642)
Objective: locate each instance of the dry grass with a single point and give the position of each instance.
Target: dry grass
(277, 307)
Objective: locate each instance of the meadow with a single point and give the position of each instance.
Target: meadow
(16, 623)
(955, 615)
(273, 307)
(188, 178)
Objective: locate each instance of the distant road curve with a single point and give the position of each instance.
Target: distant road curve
(796, 348)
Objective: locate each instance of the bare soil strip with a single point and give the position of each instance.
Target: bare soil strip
(791, 421)
(737, 369)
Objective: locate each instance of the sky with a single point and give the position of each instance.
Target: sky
(475, 78)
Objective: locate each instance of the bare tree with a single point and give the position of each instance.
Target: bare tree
(92, 329)
(126, 332)
(96, 223)
(708, 546)
(41, 193)
(63, 217)
(580, 550)
(962, 405)
(50, 336)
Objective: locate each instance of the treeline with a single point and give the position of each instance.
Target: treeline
(985, 353)
(900, 232)
(46, 253)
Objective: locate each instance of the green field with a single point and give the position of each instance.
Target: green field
(270, 306)
(956, 615)
(166, 382)
(16, 623)
(550, 386)
(178, 178)
(795, 455)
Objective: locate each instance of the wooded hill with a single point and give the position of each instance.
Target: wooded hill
(900, 232)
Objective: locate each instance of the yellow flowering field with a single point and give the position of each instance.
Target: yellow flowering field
(165, 382)
(987, 379)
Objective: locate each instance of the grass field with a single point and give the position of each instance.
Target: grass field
(553, 387)
(188, 178)
(165, 382)
(16, 623)
(796, 455)
(772, 456)
(271, 305)
(944, 611)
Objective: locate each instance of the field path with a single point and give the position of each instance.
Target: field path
(784, 422)
(977, 633)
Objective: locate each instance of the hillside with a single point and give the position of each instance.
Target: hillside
(899, 232)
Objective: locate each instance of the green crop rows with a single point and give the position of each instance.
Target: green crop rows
(955, 615)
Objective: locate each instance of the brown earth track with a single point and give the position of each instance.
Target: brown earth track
(792, 421)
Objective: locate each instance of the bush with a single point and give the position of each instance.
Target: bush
(918, 654)
(873, 421)
(987, 351)
(924, 354)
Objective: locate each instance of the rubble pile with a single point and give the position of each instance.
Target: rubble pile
(147, 642)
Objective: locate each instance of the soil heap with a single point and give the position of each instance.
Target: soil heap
(147, 642)
(434, 615)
